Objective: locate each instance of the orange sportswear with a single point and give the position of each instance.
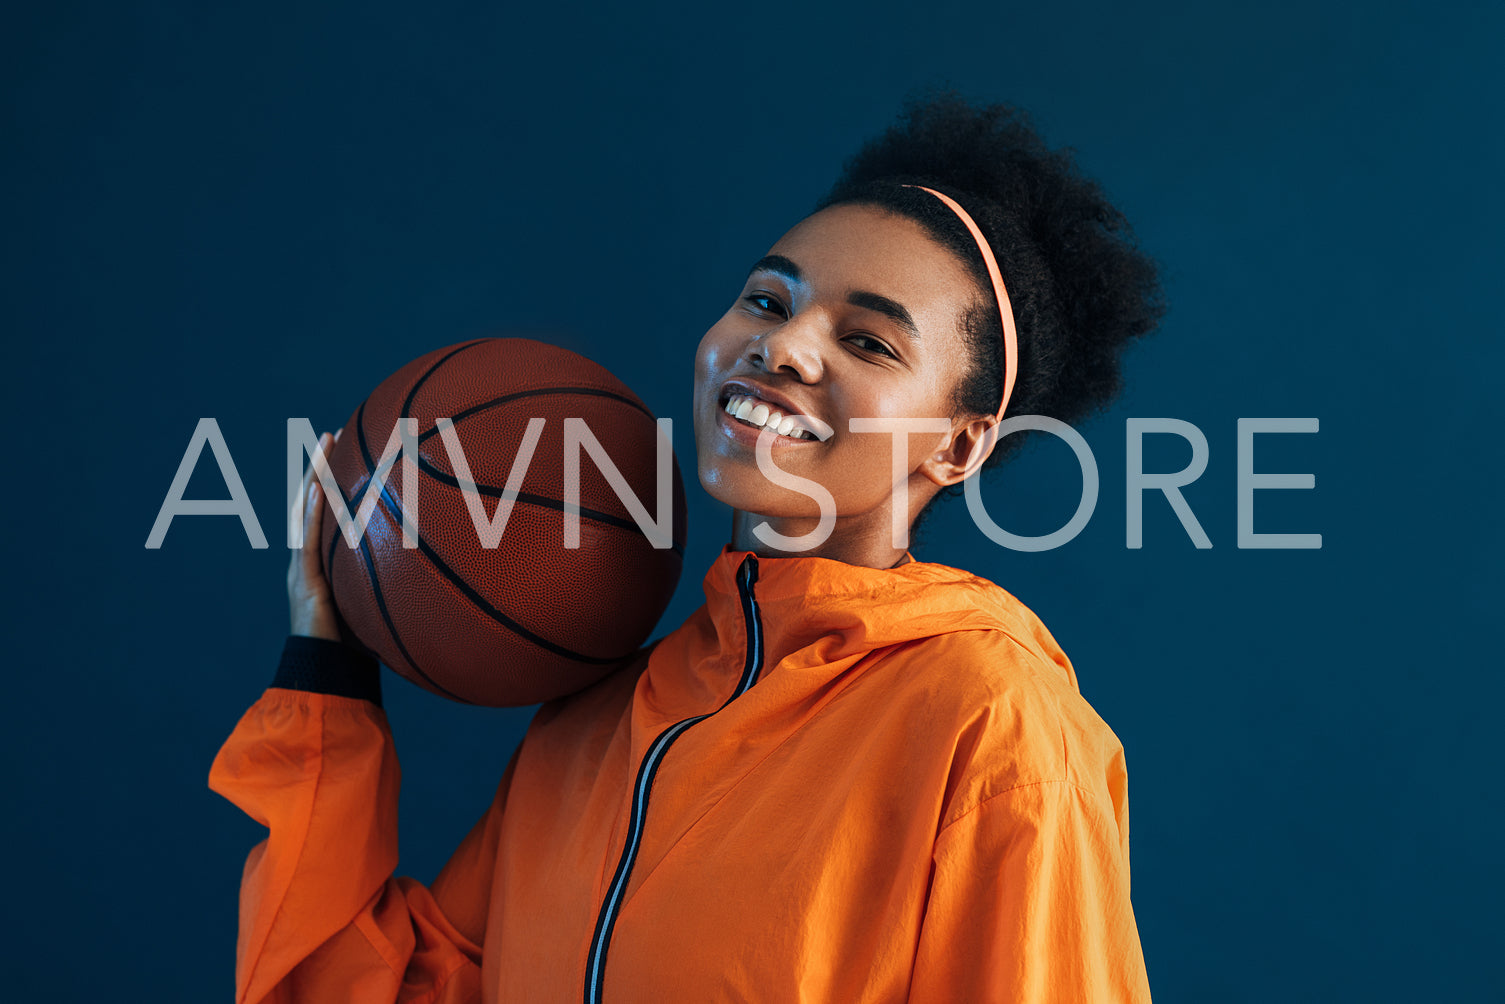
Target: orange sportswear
(832, 783)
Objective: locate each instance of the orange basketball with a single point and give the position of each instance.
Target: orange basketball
(530, 619)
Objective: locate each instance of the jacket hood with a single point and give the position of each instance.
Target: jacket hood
(817, 618)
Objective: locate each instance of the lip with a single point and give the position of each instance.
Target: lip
(741, 432)
(746, 387)
(746, 434)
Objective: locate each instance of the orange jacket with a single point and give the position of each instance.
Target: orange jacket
(832, 783)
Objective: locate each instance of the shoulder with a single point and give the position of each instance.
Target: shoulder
(1003, 704)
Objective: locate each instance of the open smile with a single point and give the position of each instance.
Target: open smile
(759, 414)
(745, 416)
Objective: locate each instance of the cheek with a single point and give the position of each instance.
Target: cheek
(708, 359)
(715, 350)
(702, 350)
(709, 373)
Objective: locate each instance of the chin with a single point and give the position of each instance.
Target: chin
(732, 478)
(728, 487)
(749, 491)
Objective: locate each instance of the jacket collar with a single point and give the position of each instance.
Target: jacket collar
(816, 611)
(816, 620)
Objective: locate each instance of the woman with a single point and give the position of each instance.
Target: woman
(850, 776)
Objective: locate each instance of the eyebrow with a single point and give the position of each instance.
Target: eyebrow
(777, 264)
(892, 309)
(888, 307)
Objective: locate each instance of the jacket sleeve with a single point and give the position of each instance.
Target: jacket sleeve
(1029, 904)
(321, 917)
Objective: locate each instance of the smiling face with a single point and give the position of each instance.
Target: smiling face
(855, 313)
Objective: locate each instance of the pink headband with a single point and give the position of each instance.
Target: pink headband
(1005, 309)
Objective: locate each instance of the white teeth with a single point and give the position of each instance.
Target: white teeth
(755, 412)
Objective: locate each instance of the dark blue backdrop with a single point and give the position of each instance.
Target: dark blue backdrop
(258, 213)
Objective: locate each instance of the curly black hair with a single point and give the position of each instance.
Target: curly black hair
(1079, 285)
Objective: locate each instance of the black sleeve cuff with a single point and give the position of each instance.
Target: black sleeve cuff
(328, 667)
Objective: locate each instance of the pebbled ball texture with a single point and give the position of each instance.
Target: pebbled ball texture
(529, 620)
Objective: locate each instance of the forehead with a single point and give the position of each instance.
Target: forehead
(855, 247)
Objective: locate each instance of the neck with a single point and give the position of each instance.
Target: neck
(853, 542)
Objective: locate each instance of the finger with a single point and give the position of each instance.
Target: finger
(303, 501)
(313, 538)
(308, 475)
(299, 508)
(313, 523)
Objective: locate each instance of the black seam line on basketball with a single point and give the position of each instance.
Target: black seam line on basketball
(381, 600)
(595, 970)
(381, 605)
(476, 599)
(486, 608)
(544, 501)
(601, 517)
(361, 423)
(539, 392)
(413, 392)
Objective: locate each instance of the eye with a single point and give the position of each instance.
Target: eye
(870, 344)
(765, 302)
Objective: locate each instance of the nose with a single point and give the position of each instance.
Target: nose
(792, 348)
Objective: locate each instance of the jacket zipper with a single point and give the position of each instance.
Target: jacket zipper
(595, 970)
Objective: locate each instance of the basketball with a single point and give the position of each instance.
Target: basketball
(528, 619)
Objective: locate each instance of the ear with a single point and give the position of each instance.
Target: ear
(953, 460)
